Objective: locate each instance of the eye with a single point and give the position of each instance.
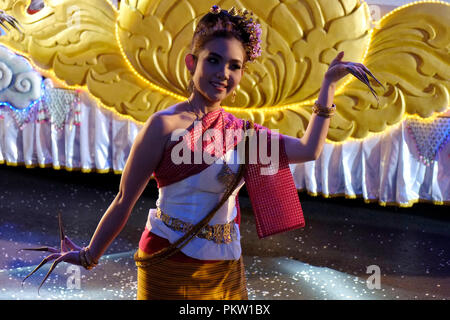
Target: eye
(236, 67)
(212, 60)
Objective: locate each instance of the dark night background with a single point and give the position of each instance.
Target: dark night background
(327, 259)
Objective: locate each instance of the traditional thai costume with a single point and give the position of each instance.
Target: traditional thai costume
(210, 266)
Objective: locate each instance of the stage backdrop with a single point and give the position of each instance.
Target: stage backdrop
(109, 75)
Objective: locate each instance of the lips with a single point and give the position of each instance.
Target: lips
(218, 85)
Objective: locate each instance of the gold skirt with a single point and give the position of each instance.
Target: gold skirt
(170, 280)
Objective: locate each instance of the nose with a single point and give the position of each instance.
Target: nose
(221, 76)
(222, 73)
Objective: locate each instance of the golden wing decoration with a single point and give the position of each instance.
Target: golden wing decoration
(409, 53)
(74, 41)
(300, 40)
(132, 60)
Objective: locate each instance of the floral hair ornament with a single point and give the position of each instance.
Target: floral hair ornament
(247, 23)
(215, 9)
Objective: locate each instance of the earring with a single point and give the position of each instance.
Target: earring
(191, 86)
(233, 96)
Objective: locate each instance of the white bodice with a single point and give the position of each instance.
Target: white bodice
(190, 200)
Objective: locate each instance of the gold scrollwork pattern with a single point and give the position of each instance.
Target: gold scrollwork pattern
(132, 59)
(300, 38)
(74, 41)
(409, 54)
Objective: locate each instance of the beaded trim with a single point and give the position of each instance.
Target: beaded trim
(219, 233)
(429, 137)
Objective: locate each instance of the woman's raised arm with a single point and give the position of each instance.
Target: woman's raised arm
(309, 147)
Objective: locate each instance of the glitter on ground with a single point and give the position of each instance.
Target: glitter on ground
(326, 260)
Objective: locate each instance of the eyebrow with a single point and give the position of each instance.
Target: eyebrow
(219, 56)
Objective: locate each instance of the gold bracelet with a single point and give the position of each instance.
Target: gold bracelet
(83, 259)
(323, 111)
(90, 261)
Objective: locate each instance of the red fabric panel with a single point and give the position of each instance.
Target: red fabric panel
(151, 243)
(274, 197)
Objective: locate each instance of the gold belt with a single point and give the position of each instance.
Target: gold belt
(219, 233)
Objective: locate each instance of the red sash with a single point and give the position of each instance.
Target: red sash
(274, 197)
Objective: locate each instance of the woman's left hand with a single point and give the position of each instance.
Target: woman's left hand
(339, 69)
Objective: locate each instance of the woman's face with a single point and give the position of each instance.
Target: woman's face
(219, 68)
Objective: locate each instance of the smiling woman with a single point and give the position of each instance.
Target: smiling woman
(191, 247)
(216, 75)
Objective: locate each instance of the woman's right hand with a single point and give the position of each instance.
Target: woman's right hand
(69, 252)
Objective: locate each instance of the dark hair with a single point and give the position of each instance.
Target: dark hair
(224, 24)
(220, 23)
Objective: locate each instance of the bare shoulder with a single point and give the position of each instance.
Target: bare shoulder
(160, 122)
(160, 125)
(168, 121)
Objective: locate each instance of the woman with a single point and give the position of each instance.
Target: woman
(209, 263)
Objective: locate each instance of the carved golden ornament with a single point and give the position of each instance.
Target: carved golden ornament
(132, 60)
(74, 41)
(409, 53)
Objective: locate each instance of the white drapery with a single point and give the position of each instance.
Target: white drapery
(101, 142)
(383, 167)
